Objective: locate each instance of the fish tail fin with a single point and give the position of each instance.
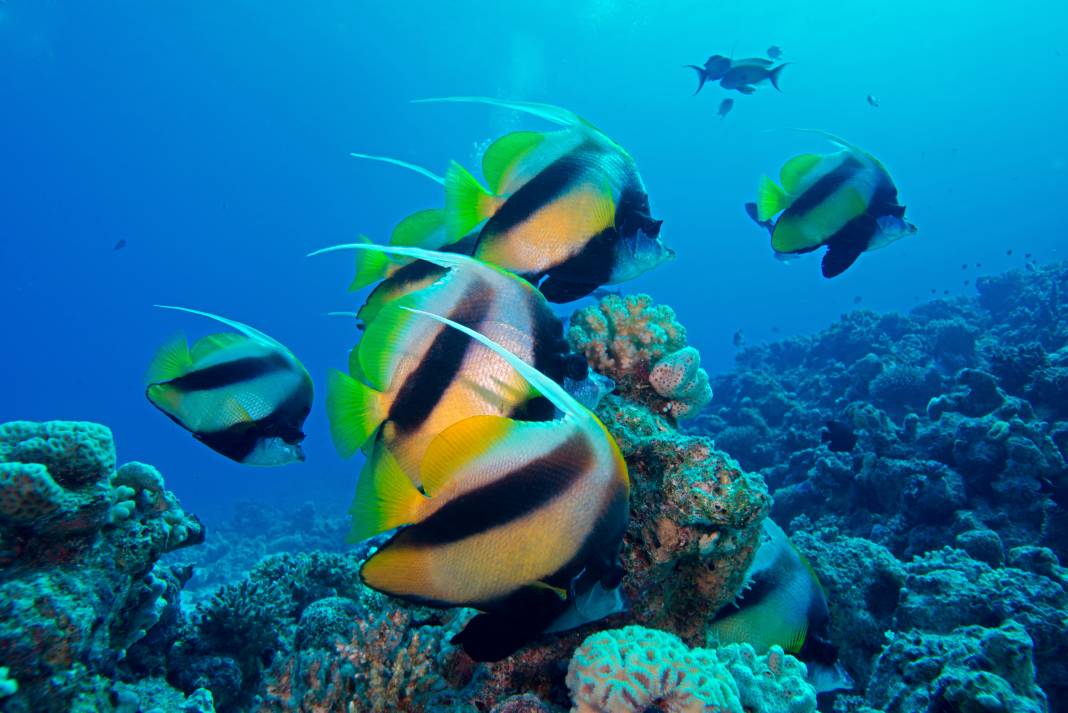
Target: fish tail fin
(355, 410)
(467, 202)
(702, 76)
(385, 496)
(751, 211)
(773, 75)
(421, 229)
(771, 199)
(171, 361)
(371, 266)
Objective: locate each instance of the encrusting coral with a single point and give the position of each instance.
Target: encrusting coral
(79, 583)
(633, 670)
(636, 670)
(642, 347)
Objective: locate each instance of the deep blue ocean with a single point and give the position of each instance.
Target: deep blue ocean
(214, 138)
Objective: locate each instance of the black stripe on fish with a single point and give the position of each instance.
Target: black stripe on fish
(232, 372)
(846, 245)
(822, 189)
(427, 383)
(884, 198)
(583, 272)
(552, 182)
(508, 498)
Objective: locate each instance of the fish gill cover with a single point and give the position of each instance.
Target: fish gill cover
(903, 421)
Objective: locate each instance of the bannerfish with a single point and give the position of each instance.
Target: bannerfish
(409, 378)
(725, 107)
(775, 52)
(838, 437)
(845, 201)
(783, 604)
(566, 210)
(243, 395)
(713, 70)
(745, 74)
(511, 516)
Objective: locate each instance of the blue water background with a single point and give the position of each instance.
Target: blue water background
(213, 138)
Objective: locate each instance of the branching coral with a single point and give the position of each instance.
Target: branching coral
(635, 670)
(642, 347)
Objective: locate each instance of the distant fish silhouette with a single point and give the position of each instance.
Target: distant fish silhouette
(120, 244)
(725, 107)
(873, 101)
(775, 52)
(739, 339)
(838, 437)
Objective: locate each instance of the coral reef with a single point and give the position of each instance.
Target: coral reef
(961, 438)
(635, 669)
(642, 347)
(695, 522)
(969, 669)
(81, 581)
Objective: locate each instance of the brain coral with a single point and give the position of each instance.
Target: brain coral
(642, 347)
(634, 670)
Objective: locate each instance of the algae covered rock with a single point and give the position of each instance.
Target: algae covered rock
(970, 669)
(79, 584)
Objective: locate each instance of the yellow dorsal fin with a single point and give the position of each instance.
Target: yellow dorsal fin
(213, 343)
(385, 497)
(792, 175)
(171, 361)
(504, 153)
(458, 445)
(421, 229)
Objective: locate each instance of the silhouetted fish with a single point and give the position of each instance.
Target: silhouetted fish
(838, 437)
(120, 244)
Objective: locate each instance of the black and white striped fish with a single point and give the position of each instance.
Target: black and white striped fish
(844, 200)
(243, 395)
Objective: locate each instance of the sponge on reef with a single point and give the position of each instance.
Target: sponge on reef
(642, 347)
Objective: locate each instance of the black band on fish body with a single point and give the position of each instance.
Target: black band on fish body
(583, 272)
(230, 373)
(236, 443)
(515, 622)
(846, 245)
(548, 185)
(428, 382)
(822, 189)
(510, 497)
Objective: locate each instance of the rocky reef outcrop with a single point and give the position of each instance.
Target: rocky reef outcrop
(81, 584)
(919, 461)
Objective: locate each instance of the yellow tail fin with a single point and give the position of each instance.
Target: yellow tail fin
(371, 266)
(355, 410)
(171, 361)
(771, 199)
(467, 202)
(385, 497)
